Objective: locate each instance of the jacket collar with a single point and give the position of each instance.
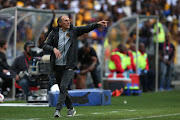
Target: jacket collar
(57, 28)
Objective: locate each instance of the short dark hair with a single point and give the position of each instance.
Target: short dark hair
(86, 44)
(120, 46)
(2, 43)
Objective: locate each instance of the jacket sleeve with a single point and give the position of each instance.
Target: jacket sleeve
(117, 62)
(147, 64)
(48, 44)
(85, 29)
(14, 68)
(3, 63)
(133, 64)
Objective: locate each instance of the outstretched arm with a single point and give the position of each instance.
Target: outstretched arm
(85, 29)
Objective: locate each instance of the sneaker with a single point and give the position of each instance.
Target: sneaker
(71, 112)
(57, 113)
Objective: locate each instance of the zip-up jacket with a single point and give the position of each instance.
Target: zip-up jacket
(72, 54)
(21, 63)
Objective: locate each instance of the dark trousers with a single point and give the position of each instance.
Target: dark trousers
(7, 81)
(95, 74)
(25, 84)
(63, 78)
(144, 81)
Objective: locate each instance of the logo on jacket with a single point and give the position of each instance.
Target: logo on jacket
(67, 35)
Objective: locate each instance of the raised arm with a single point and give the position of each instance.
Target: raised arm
(48, 43)
(85, 29)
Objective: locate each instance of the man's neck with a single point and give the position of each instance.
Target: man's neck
(28, 56)
(167, 42)
(64, 29)
(142, 52)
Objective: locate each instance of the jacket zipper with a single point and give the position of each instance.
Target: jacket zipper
(64, 49)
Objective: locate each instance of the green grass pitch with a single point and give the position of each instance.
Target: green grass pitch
(148, 106)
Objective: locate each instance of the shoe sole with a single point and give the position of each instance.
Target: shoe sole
(56, 116)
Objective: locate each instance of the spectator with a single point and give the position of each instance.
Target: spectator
(19, 69)
(166, 54)
(4, 69)
(99, 34)
(88, 62)
(145, 34)
(5, 3)
(161, 31)
(172, 2)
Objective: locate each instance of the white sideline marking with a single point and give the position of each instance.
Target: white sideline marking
(31, 119)
(152, 116)
(79, 114)
(114, 111)
(25, 104)
(131, 110)
(97, 113)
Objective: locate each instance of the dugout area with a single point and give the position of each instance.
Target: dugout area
(121, 32)
(19, 25)
(17, 22)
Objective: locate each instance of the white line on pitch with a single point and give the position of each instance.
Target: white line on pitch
(152, 116)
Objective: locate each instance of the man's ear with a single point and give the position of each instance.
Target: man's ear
(59, 24)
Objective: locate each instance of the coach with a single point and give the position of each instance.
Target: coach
(62, 43)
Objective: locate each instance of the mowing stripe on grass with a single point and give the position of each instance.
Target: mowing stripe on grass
(152, 116)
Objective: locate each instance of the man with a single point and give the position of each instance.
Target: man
(166, 54)
(161, 31)
(62, 43)
(143, 67)
(119, 61)
(99, 34)
(145, 34)
(88, 62)
(150, 73)
(19, 69)
(133, 51)
(4, 69)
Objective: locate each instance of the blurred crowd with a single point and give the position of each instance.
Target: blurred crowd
(111, 10)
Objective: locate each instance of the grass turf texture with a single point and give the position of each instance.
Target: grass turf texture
(149, 106)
